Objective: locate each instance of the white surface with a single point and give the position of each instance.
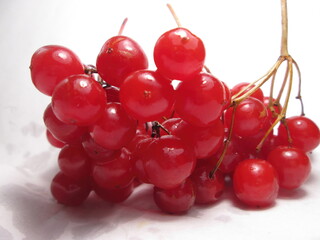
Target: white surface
(242, 40)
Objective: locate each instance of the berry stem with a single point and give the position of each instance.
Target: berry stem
(237, 98)
(284, 38)
(284, 82)
(122, 26)
(156, 126)
(282, 115)
(299, 97)
(175, 16)
(284, 57)
(226, 143)
(90, 69)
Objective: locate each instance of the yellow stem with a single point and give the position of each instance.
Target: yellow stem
(284, 24)
(175, 16)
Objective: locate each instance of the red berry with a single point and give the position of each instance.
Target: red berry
(206, 140)
(248, 145)
(78, 100)
(146, 97)
(255, 183)
(230, 160)
(292, 164)
(168, 161)
(200, 100)
(176, 200)
(304, 132)
(66, 133)
(115, 173)
(250, 117)
(51, 64)
(113, 94)
(96, 152)
(179, 54)
(207, 190)
(119, 57)
(53, 140)
(273, 109)
(258, 94)
(68, 191)
(114, 195)
(227, 95)
(138, 157)
(115, 128)
(74, 162)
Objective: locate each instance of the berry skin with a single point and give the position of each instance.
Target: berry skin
(146, 96)
(207, 190)
(250, 117)
(177, 200)
(255, 183)
(230, 160)
(112, 94)
(200, 101)
(179, 54)
(116, 173)
(258, 94)
(74, 162)
(114, 195)
(66, 133)
(206, 140)
(69, 192)
(78, 100)
(95, 152)
(292, 164)
(115, 128)
(168, 161)
(53, 140)
(227, 95)
(304, 132)
(51, 64)
(139, 161)
(119, 57)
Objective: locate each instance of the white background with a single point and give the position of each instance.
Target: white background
(242, 39)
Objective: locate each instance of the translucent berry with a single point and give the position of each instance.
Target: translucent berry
(51, 64)
(179, 54)
(119, 57)
(78, 100)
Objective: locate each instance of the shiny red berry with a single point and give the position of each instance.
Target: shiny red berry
(119, 57)
(250, 117)
(64, 132)
(179, 54)
(51, 64)
(146, 97)
(53, 140)
(168, 161)
(74, 162)
(78, 100)
(292, 164)
(68, 191)
(304, 132)
(115, 173)
(208, 190)
(255, 183)
(258, 94)
(115, 128)
(176, 200)
(200, 100)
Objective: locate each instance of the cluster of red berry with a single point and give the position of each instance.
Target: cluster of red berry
(120, 124)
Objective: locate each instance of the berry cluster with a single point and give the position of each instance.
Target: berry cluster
(120, 124)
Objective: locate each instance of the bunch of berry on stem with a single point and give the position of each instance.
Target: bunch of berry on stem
(120, 124)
